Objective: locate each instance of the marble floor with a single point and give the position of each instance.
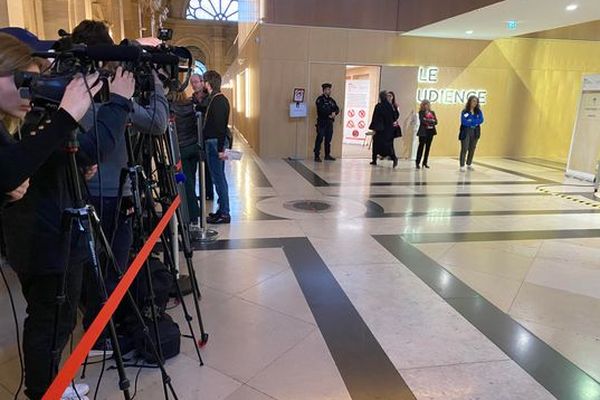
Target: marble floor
(386, 284)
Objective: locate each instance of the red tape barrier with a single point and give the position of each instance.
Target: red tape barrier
(67, 373)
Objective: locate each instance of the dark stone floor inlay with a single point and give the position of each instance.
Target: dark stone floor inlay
(309, 206)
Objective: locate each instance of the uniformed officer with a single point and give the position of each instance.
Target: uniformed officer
(327, 110)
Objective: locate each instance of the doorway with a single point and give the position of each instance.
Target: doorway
(362, 89)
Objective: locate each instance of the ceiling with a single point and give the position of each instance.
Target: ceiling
(489, 23)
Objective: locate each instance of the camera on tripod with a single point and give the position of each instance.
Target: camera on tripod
(172, 64)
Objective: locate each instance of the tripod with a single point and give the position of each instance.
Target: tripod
(205, 235)
(85, 219)
(165, 152)
(141, 185)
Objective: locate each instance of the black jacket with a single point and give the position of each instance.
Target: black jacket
(20, 159)
(32, 226)
(325, 107)
(216, 119)
(186, 122)
(427, 126)
(382, 123)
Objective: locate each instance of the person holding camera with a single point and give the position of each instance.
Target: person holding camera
(105, 186)
(216, 141)
(36, 245)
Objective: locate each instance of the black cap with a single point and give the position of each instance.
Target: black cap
(29, 39)
(326, 86)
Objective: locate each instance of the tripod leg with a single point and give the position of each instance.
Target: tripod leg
(67, 229)
(155, 347)
(186, 312)
(90, 227)
(188, 253)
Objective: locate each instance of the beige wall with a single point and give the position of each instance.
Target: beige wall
(533, 84)
(248, 67)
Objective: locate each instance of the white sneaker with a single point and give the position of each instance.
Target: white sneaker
(462, 169)
(471, 168)
(79, 392)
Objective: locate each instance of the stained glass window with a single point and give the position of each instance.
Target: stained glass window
(218, 10)
(199, 67)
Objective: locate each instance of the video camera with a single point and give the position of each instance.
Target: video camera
(67, 59)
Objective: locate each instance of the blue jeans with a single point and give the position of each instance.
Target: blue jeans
(217, 172)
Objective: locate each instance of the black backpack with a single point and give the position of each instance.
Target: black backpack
(170, 339)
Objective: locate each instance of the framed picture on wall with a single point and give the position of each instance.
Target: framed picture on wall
(299, 95)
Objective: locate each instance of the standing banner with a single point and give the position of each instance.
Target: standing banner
(356, 113)
(585, 145)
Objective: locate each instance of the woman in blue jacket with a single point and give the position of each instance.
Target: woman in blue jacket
(470, 131)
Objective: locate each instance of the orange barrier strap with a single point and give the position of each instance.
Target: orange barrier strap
(67, 373)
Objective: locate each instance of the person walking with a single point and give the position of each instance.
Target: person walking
(327, 110)
(470, 131)
(426, 132)
(382, 123)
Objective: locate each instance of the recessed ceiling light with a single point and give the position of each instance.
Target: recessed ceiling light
(469, 32)
(572, 7)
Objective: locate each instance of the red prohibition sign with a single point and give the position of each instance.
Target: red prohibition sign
(351, 113)
(355, 133)
(362, 124)
(362, 113)
(350, 124)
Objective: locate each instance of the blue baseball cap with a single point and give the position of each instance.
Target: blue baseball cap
(29, 39)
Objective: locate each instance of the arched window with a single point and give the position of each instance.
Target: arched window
(218, 10)
(199, 67)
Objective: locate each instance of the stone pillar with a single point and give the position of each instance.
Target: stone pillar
(56, 16)
(219, 50)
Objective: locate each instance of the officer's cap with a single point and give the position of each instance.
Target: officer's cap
(326, 86)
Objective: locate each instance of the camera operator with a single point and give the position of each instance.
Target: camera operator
(35, 242)
(117, 224)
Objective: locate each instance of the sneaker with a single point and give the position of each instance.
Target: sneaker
(102, 348)
(329, 158)
(426, 166)
(470, 167)
(373, 163)
(79, 392)
(318, 159)
(219, 219)
(395, 164)
(462, 169)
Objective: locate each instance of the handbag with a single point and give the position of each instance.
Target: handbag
(397, 132)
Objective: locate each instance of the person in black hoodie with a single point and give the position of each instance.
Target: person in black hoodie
(216, 138)
(426, 132)
(35, 247)
(382, 123)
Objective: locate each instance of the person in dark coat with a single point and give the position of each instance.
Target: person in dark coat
(187, 134)
(426, 132)
(382, 123)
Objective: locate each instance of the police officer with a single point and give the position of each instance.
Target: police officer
(327, 110)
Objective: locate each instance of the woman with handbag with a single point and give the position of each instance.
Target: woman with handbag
(470, 131)
(383, 123)
(426, 132)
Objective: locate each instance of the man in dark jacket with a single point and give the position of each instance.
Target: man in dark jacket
(216, 141)
(200, 100)
(327, 110)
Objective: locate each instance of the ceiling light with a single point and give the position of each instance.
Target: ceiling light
(469, 32)
(572, 7)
